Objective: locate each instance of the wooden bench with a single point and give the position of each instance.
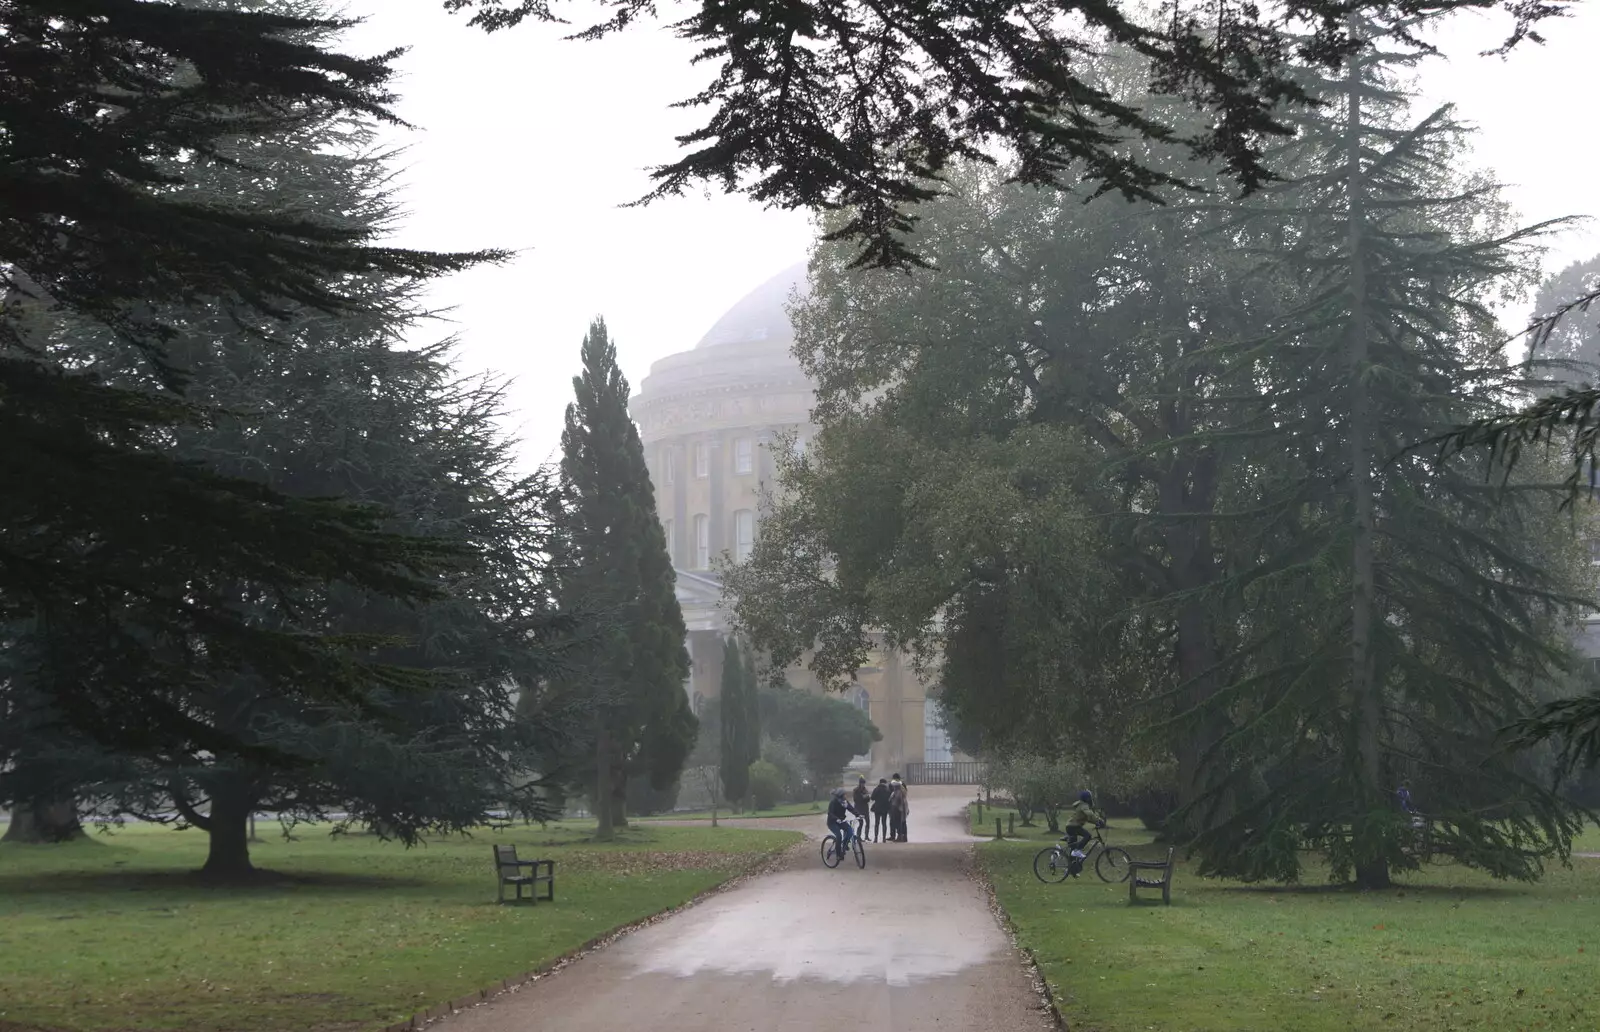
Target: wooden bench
(1138, 879)
(509, 870)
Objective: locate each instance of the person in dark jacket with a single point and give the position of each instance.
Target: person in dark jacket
(899, 809)
(880, 810)
(860, 802)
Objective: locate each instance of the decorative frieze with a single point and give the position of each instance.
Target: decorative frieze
(702, 413)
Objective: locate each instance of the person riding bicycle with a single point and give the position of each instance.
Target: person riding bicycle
(839, 817)
(1403, 796)
(1083, 812)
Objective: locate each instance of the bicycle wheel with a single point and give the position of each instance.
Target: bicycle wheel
(1050, 866)
(1112, 864)
(859, 850)
(830, 852)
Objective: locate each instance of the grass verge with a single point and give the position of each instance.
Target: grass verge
(1446, 950)
(111, 933)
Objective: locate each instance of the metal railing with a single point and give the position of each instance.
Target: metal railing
(959, 772)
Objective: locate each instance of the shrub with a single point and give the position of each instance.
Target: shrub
(766, 783)
(782, 754)
(645, 799)
(827, 731)
(1036, 783)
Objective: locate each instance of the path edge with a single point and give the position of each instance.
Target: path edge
(1041, 985)
(769, 863)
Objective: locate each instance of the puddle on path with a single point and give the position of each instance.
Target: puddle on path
(898, 928)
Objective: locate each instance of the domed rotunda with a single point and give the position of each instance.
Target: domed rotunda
(709, 418)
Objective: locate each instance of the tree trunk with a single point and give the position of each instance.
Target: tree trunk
(601, 801)
(619, 803)
(1372, 866)
(1188, 489)
(228, 826)
(43, 822)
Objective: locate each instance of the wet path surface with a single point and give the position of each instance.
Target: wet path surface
(906, 944)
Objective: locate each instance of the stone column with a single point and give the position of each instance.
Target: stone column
(688, 682)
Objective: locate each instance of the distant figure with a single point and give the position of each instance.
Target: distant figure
(861, 800)
(1403, 793)
(899, 809)
(880, 811)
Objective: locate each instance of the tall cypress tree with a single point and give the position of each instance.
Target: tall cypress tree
(733, 710)
(740, 710)
(752, 695)
(618, 567)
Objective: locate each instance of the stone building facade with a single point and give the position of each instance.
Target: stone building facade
(709, 419)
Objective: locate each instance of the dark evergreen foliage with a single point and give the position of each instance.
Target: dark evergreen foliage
(733, 711)
(1564, 329)
(1412, 606)
(861, 107)
(616, 565)
(109, 112)
(283, 562)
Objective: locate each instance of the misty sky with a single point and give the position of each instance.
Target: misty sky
(529, 142)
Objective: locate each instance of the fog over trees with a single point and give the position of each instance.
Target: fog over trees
(1166, 412)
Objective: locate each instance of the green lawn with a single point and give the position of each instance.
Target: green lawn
(111, 934)
(786, 810)
(1447, 950)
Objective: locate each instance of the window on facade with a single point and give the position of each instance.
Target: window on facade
(702, 542)
(862, 701)
(744, 534)
(744, 455)
(935, 739)
(702, 459)
(667, 529)
(669, 465)
(697, 703)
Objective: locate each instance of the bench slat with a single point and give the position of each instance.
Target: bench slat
(1164, 883)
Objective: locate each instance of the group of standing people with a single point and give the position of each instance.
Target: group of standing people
(886, 804)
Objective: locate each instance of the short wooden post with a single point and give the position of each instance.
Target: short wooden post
(997, 835)
(1011, 825)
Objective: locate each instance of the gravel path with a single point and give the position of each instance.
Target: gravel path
(906, 945)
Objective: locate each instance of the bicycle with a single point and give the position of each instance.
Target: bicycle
(1419, 844)
(832, 854)
(1056, 862)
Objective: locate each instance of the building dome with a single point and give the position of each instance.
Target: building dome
(742, 373)
(761, 316)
